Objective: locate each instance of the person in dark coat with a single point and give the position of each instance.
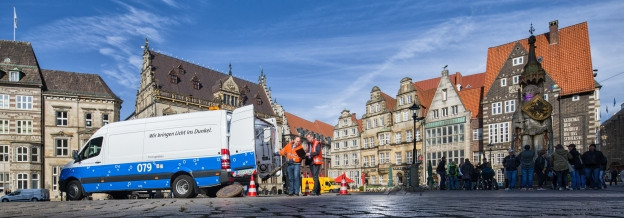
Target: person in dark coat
(511, 169)
(441, 170)
(578, 167)
(592, 159)
(526, 159)
(614, 175)
(541, 166)
(467, 170)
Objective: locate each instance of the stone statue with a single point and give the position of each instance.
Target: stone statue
(532, 120)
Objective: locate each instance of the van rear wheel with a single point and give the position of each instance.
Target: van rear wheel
(5, 200)
(34, 199)
(183, 187)
(74, 191)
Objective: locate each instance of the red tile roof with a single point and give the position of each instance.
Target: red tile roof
(425, 90)
(390, 101)
(471, 98)
(355, 120)
(319, 127)
(568, 62)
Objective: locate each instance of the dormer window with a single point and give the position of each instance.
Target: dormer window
(173, 78)
(518, 61)
(196, 83)
(14, 76)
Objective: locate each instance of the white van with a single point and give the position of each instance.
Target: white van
(27, 195)
(187, 153)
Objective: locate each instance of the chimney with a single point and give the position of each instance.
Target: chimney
(554, 32)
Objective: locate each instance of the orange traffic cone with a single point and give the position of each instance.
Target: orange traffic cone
(343, 187)
(252, 186)
(306, 191)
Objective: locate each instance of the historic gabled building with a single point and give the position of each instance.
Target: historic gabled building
(346, 147)
(76, 105)
(569, 87)
(44, 116)
(21, 110)
(452, 117)
(462, 108)
(403, 133)
(375, 137)
(171, 86)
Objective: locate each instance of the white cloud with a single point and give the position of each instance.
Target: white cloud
(110, 34)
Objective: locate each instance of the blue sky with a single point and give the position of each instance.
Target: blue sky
(320, 56)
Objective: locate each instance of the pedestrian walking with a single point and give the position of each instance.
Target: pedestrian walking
(467, 170)
(527, 165)
(592, 159)
(540, 166)
(441, 170)
(453, 173)
(578, 167)
(293, 159)
(603, 168)
(511, 169)
(560, 165)
(614, 175)
(315, 160)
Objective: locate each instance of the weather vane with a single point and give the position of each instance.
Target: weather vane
(445, 66)
(531, 30)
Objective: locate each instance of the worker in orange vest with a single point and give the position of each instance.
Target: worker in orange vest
(314, 158)
(293, 161)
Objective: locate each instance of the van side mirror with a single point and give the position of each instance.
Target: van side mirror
(75, 155)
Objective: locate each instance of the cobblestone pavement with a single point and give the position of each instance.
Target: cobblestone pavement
(584, 203)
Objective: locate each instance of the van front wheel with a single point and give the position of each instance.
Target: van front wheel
(183, 187)
(74, 191)
(5, 200)
(34, 199)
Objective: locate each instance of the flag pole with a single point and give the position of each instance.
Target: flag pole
(14, 22)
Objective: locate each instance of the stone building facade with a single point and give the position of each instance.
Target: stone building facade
(172, 86)
(21, 110)
(76, 105)
(569, 87)
(612, 139)
(403, 134)
(375, 137)
(44, 116)
(346, 148)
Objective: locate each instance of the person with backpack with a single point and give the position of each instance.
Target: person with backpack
(560, 165)
(526, 158)
(467, 170)
(540, 166)
(453, 172)
(578, 167)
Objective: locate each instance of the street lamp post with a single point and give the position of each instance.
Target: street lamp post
(415, 108)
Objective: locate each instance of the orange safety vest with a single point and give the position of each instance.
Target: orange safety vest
(291, 153)
(318, 159)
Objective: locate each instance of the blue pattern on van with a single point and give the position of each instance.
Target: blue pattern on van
(107, 177)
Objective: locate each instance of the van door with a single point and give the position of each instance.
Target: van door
(90, 156)
(265, 140)
(242, 140)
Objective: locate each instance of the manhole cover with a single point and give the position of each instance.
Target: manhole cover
(230, 191)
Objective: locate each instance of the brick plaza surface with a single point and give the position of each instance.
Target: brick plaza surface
(584, 203)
